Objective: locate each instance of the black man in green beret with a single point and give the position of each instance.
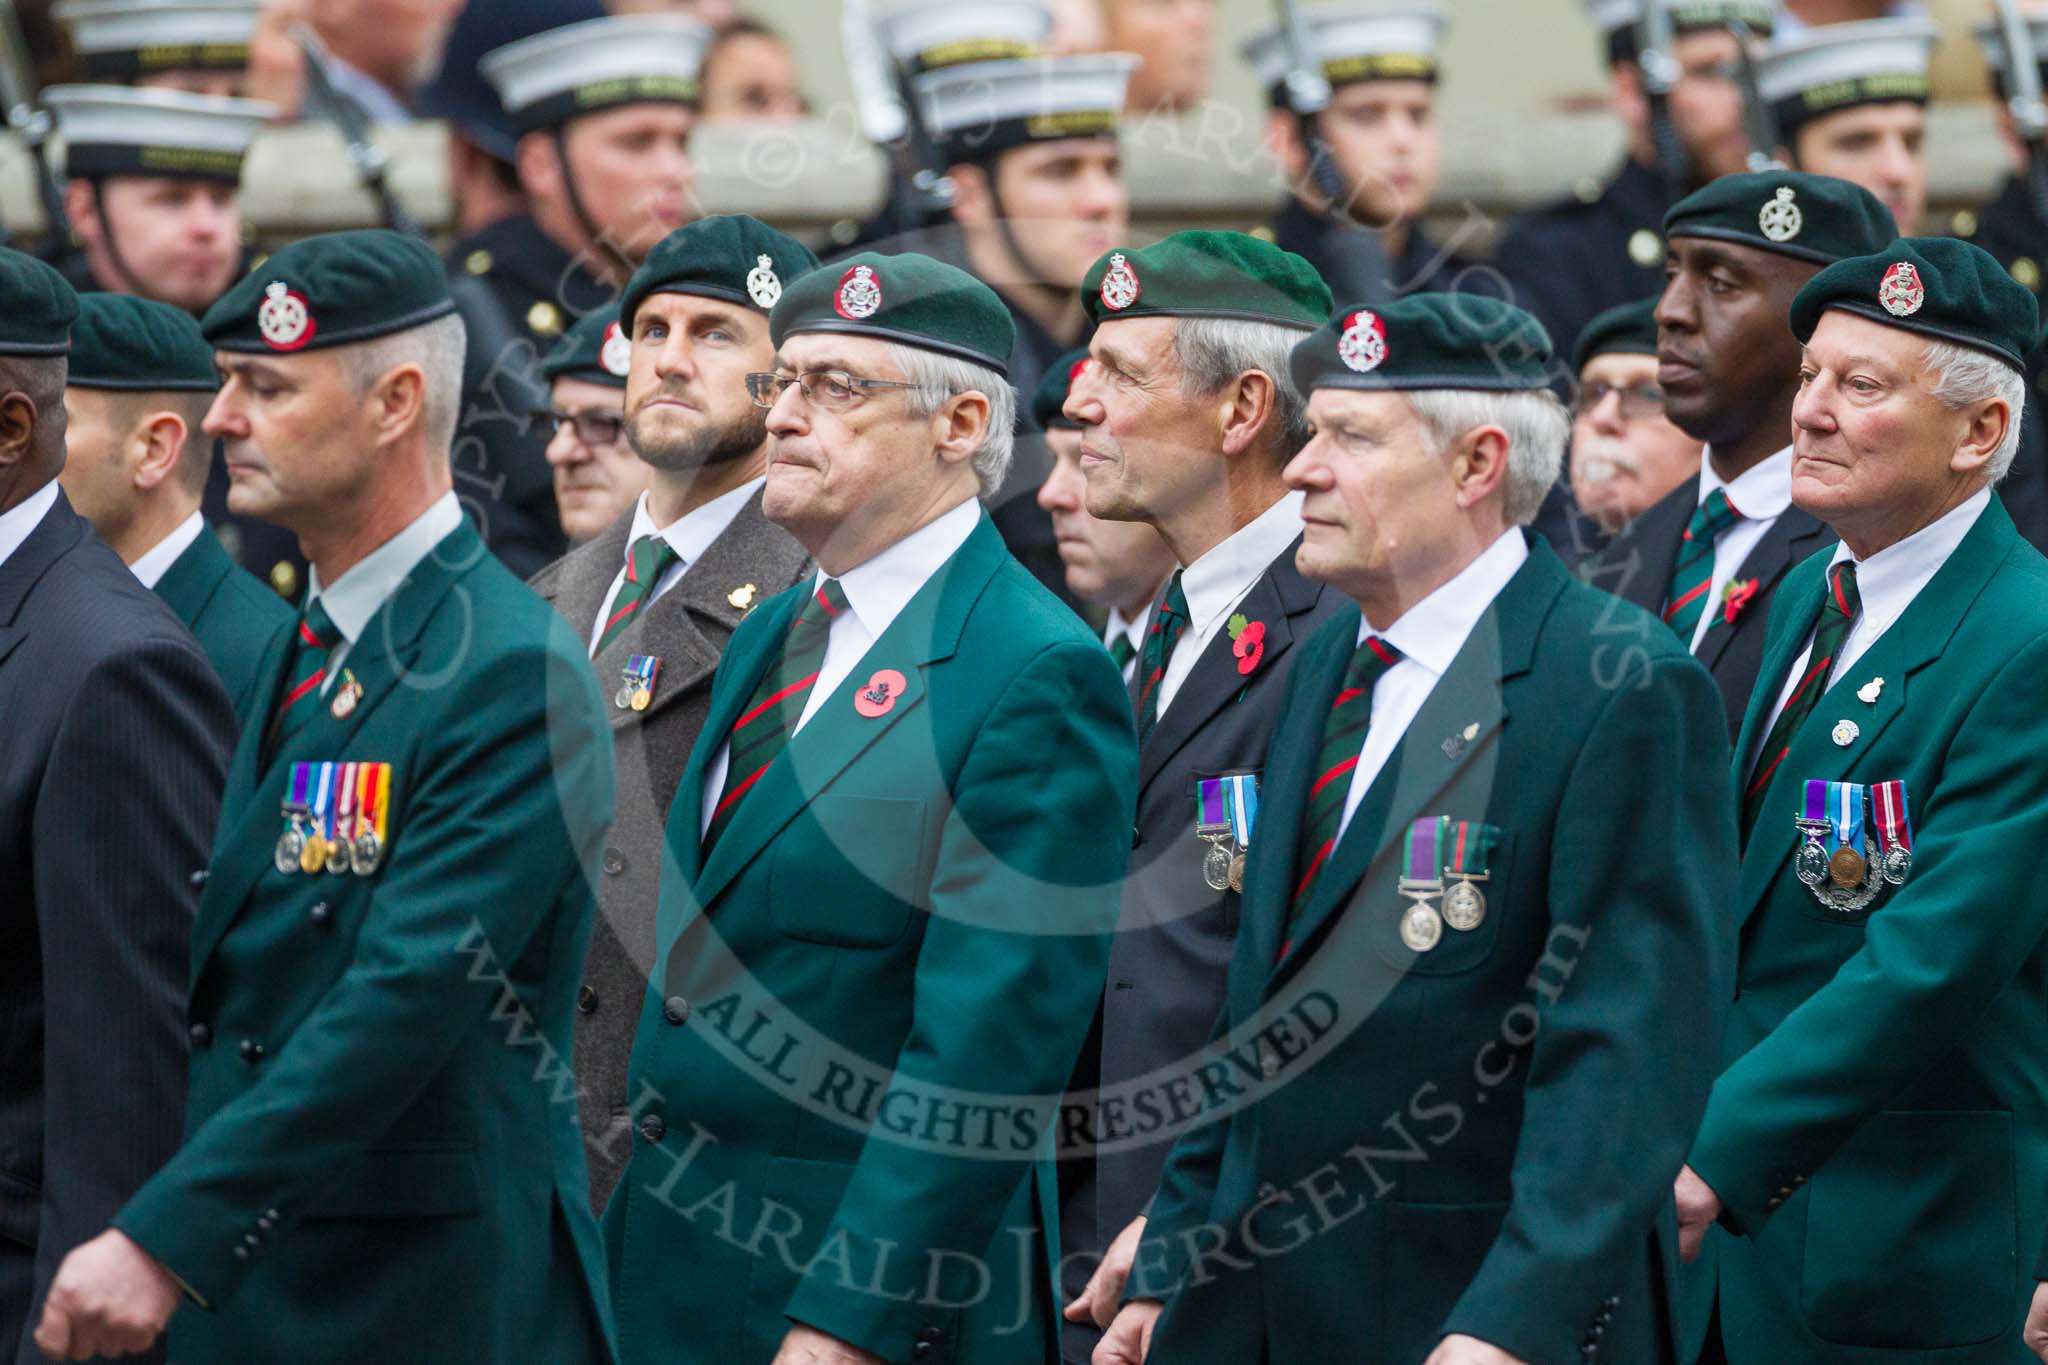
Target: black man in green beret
(890, 877)
(1871, 1176)
(1482, 922)
(658, 592)
(386, 948)
(137, 460)
(1626, 456)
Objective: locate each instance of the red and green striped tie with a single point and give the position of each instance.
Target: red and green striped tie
(646, 562)
(1169, 623)
(763, 730)
(317, 637)
(1122, 651)
(1693, 574)
(1343, 739)
(1837, 613)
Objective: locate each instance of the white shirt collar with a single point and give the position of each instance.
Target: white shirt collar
(156, 561)
(1888, 581)
(17, 521)
(1761, 492)
(880, 588)
(1433, 630)
(692, 533)
(1218, 580)
(1132, 629)
(352, 599)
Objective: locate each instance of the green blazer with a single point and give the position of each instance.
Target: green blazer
(1879, 1135)
(872, 994)
(233, 615)
(382, 1159)
(1395, 1145)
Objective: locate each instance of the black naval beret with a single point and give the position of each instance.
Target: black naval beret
(123, 342)
(1940, 287)
(1628, 329)
(1050, 396)
(1813, 218)
(330, 290)
(909, 298)
(1426, 341)
(37, 306)
(730, 257)
(596, 350)
(1201, 274)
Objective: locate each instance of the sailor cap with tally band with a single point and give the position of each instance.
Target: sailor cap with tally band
(1991, 37)
(140, 346)
(123, 40)
(331, 290)
(910, 299)
(925, 35)
(1841, 66)
(596, 351)
(1942, 288)
(118, 130)
(730, 256)
(1618, 20)
(1202, 274)
(1815, 218)
(1353, 43)
(983, 109)
(1426, 341)
(550, 78)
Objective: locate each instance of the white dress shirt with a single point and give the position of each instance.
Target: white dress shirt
(1429, 636)
(19, 520)
(354, 597)
(1761, 494)
(1220, 579)
(876, 594)
(689, 535)
(1132, 629)
(1886, 584)
(157, 560)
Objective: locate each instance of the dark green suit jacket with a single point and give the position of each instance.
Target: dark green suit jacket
(1879, 1136)
(233, 615)
(1480, 1137)
(382, 1159)
(875, 990)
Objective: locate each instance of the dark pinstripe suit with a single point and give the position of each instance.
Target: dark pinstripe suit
(114, 743)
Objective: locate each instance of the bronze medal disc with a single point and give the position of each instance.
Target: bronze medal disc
(1846, 867)
(1237, 873)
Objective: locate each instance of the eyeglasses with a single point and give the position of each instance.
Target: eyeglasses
(827, 390)
(592, 428)
(1638, 401)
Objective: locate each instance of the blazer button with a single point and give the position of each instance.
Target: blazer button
(252, 1051)
(586, 1000)
(675, 1009)
(614, 862)
(202, 1036)
(652, 1128)
(322, 915)
(241, 1253)
(197, 879)
(1137, 836)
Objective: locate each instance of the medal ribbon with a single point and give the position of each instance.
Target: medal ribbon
(1422, 859)
(370, 798)
(1242, 804)
(323, 791)
(345, 804)
(1845, 816)
(1894, 825)
(1471, 848)
(302, 777)
(1212, 809)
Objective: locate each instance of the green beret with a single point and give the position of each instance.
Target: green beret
(596, 350)
(1426, 341)
(1813, 218)
(910, 299)
(1940, 287)
(1050, 396)
(330, 290)
(123, 342)
(1207, 275)
(1628, 329)
(37, 306)
(731, 257)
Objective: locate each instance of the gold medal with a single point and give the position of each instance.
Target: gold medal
(313, 856)
(640, 698)
(1846, 867)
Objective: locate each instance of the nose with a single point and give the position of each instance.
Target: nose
(564, 449)
(1674, 305)
(1083, 405)
(1306, 470)
(788, 417)
(1062, 489)
(223, 420)
(1812, 406)
(1605, 416)
(676, 357)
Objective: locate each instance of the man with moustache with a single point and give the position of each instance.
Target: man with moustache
(658, 593)
(597, 476)
(1625, 454)
(1188, 417)
(1709, 557)
(1489, 895)
(1870, 1181)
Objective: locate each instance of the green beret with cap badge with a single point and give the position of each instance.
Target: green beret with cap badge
(1202, 274)
(910, 299)
(1426, 341)
(731, 257)
(1813, 218)
(1942, 288)
(331, 290)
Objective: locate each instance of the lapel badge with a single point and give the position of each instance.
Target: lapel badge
(742, 596)
(1455, 744)
(878, 698)
(1845, 733)
(1867, 694)
(1248, 642)
(345, 696)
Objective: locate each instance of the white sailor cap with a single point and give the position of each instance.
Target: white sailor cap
(1991, 37)
(119, 40)
(924, 35)
(1356, 42)
(1839, 66)
(982, 109)
(105, 130)
(1759, 15)
(550, 78)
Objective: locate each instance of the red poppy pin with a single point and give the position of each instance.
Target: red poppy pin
(1249, 645)
(878, 698)
(1735, 597)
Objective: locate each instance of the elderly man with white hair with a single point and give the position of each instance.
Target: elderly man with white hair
(1482, 929)
(1871, 1177)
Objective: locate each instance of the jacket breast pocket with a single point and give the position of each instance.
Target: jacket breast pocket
(848, 871)
(1457, 931)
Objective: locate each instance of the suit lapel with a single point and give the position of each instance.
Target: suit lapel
(1637, 568)
(193, 578)
(53, 536)
(586, 577)
(1793, 536)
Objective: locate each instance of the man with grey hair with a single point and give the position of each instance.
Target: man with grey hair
(389, 932)
(1870, 1179)
(1481, 893)
(1188, 416)
(896, 846)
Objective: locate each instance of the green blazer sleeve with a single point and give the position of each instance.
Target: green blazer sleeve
(511, 796)
(1024, 897)
(1624, 1044)
(1933, 958)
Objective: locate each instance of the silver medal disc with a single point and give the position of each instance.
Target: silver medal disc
(1464, 907)
(1898, 864)
(365, 853)
(623, 698)
(1216, 867)
(1810, 864)
(1421, 927)
(290, 845)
